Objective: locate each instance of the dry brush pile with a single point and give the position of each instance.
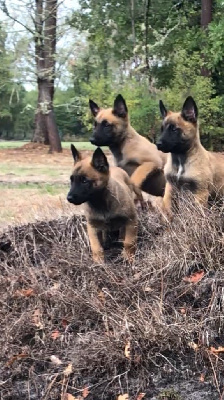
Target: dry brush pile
(72, 329)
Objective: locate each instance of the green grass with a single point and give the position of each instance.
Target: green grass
(79, 145)
(32, 170)
(44, 188)
(8, 144)
(66, 145)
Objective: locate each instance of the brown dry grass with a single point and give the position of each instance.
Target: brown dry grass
(20, 206)
(96, 310)
(34, 184)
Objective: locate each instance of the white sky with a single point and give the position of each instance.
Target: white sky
(14, 29)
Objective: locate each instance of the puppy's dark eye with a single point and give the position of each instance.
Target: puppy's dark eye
(83, 179)
(173, 128)
(72, 178)
(105, 123)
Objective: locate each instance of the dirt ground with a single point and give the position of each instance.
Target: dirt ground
(34, 183)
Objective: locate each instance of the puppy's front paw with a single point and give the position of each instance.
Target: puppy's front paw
(98, 257)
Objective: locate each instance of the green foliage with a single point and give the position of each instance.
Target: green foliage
(142, 107)
(144, 50)
(67, 111)
(10, 92)
(99, 90)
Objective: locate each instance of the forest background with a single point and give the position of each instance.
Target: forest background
(55, 55)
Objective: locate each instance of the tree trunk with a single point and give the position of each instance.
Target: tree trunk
(55, 141)
(206, 18)
(206, 13)
(133, 30)
(41, 132)
(45, 48)
(147, 7)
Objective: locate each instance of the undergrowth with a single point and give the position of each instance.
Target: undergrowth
(67, 324)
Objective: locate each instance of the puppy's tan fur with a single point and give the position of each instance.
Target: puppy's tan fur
(140, 158)
(204, 168)
(115, 209)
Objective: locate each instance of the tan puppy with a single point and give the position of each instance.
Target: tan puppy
(109, 196)
(132, 152)
(190, 166)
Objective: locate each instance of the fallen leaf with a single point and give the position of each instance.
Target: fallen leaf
(68, 370)
(137, 358)
(68, 396)
(217, 350)
(55, 335)
(64, 323)
(195, 277)
(193, 345)
(127, 350)
(140, 396)
(202, 376)
(15, 358)
(25, 292)
(85, 392)
(123, 397)
(101, 296)
(137, 276)
(36, 319)
(148, 289)
(55, 360)
(55, 286)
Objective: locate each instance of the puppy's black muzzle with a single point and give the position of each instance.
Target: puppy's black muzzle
(163, 146)
(73, 199)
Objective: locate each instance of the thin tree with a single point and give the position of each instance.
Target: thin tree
(206, 18)
(44, 19)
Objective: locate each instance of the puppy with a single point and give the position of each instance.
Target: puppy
(190, 166)
(109, 195)
(132, 152)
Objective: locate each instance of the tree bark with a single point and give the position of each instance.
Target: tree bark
(133, 30)
(45, 48)
(206, 13)
(44, 35)
(147, 7)
(206, 18)
(40, 132)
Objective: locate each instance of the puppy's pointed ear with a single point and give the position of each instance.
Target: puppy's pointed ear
(163, 109)
(99, 161)
(120, 107)
(75, 153)
(190, 110)
(94, 108)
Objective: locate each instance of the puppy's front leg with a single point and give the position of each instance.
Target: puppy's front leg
(130, 239)
(97, 250)
(202, 197)
(167, 200)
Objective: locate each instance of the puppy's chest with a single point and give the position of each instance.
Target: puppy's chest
(178, 175)
(107, 219)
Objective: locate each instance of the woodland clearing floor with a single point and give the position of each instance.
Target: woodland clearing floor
(34, 184)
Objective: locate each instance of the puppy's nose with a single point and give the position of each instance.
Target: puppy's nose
(159, 144)
(70, 198)
(92, 140)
